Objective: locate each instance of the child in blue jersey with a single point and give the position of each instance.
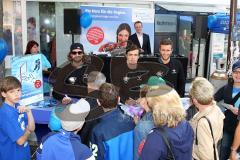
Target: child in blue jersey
(112, 137)
(16, 122)
(66, 144)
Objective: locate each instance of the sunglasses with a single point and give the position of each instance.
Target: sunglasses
(76, 52)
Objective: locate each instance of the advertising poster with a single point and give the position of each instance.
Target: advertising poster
(28, 69)
(217, 56)
(105, 23)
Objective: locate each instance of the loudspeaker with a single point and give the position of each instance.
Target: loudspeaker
(72, 21)
(201, 30)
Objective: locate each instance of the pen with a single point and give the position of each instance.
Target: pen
(132, 99)
(66, 96)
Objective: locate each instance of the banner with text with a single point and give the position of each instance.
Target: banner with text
(106, 20)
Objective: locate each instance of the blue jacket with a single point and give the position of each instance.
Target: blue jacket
(181, 138)
(62, 145)
(112, 137)
(142, 129)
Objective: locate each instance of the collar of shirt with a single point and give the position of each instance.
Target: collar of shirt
(140, 39)
(65, 133)
(160, 61)
(205, 112)
(139, 34)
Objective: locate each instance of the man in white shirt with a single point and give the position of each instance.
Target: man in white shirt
(141, 39)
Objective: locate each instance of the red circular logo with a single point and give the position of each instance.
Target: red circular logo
(95, 35)
(37, 84)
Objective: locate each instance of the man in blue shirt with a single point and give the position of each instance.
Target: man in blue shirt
(16, 122)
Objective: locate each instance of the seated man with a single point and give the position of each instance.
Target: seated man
(129, 74)
(66, 144)
(112, 137)
(71, 80)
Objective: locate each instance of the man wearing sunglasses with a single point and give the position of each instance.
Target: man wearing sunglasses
(76, 54)
(71, 80)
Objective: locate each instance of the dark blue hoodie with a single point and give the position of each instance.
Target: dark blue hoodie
(181, 138)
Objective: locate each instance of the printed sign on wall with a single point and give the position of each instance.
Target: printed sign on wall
(106, 21)
(28, 69)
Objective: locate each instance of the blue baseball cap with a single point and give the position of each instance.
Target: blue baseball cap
(236, 65)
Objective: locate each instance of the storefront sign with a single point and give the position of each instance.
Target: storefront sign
(165, 23)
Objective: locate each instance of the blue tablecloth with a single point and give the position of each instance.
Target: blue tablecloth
(42, 110)
(42, 115)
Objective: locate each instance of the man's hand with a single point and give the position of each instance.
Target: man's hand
(22, 109)
(66, 100)
(233, 155)
(136, 119)
(130, 102)
(234, 110)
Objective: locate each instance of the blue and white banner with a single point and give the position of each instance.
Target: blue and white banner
(28, 69)
(219, 23)
(106, 20)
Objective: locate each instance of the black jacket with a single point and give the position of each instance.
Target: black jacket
(175, 75)
(146, 43)
(230, 121)
(61, 78)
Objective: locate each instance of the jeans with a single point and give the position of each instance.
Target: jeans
(144, 126)
(226, 145)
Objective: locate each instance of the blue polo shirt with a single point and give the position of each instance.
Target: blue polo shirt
(63, 145)
(12, 127)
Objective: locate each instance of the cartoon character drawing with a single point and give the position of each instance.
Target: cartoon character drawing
(37, 65)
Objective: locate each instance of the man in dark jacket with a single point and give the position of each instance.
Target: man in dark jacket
(230, 94)
(175, 74)
(141, 39)
(71, 80)
(112, 137)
